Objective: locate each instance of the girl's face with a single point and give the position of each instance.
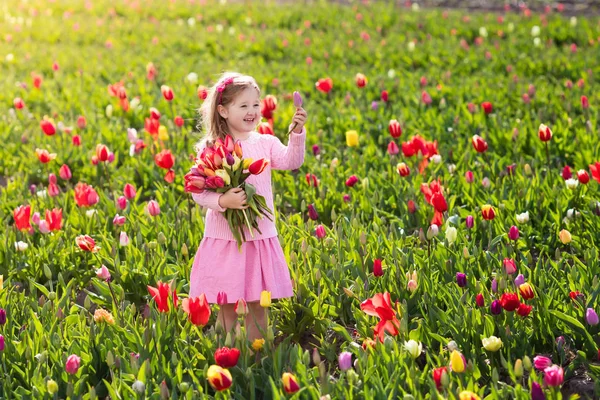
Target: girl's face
(243, 113)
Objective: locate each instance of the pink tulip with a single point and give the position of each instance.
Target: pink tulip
(553, 376)
(221, 298)
(509, 266)
(393, 148)
(124, 239)
(129, 191)
(320, 232)
(72, 364)
(103, 273)
(469, 176)
(541, 363)
(65, 172)
(513, 233)
(122, 202)
(153, 208)
(44, 227)
(119, 220)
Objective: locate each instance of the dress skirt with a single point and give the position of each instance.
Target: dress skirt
(220, 267)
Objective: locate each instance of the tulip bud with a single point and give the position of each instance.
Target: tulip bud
(513, 233)
(469, 221)
(432, 231)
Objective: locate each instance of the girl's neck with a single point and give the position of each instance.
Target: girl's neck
(241, 136)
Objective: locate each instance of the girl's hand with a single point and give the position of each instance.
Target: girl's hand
(234, 198)
(299, 119)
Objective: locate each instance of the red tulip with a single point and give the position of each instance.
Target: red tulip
(583, 176)
(170, 176)
(54, 219)
(22, 215)
(384, 96)
(202, 92)
(526, 291)
(85, 195)
(411, 207)
(154, 113)
(479, 300)
(324, 85)
(19, 103)
(566, 173)
(312, 180)
(544, 133)
(268, 105)
(380, 306)
(584, 102)
(178, 121)
(595, 169)
(510, 301)
(264, 128)
(76, 140)
(438, 374)
(395, 128)
(102, 152)
(487, 107)
(351, 181)
(164, 159)
(258, 166)
(487, 212)
(86, 243)
(439, 202)
(197, 309)
(48, 127)
(44, 156)
(37, 80)
(220, 379)
(161, 295)
(479, 144)
(361, 80)
(377, 269)
(403, 169)
(290, 383)
(226, 357)
(167, 92)
(524, 309)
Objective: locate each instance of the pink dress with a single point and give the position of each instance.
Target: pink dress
(261, 265)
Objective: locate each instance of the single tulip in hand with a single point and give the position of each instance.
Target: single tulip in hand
(299, 118)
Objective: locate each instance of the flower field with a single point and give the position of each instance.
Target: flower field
(441, 233)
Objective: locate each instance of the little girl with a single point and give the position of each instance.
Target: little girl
(220, 271)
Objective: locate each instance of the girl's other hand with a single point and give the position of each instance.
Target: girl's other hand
(234, 198)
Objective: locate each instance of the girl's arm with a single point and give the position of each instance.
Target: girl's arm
(209, 199)
(290, 156)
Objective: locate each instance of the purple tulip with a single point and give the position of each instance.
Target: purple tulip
(519, 280)
(494, 285)
(513, 233)
(537, 393)
(345, 360)
(470, 221)
(297, 100)
(374, 105)
(560, 342)
(2, 316)
(230, 160)
(591, 317)
(346, 198)
(461, 279)
(316, 150)
(312, 213)
(495, 307)
(2, 343)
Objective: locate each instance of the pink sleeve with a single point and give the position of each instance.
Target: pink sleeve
(290, 156)
(208, 199)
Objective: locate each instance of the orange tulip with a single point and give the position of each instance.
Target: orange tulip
(198, 309)
(526, 291)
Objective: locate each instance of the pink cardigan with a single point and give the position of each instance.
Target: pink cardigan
(282, 158)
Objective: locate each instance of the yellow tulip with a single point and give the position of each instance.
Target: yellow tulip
(352, 138)
(258, 344)
(492, 343)
(565, 236)
(223, 175)
(162, 133)
(1, 282)
(219, 378)
(247, 162)
(265, 299)
(466, 395)
(457, 362)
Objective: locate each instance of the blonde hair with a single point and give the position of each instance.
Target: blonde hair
(213, 125)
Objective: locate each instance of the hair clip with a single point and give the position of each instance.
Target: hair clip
(221, 87)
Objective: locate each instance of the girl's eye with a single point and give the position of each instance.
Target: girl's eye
(243, 106)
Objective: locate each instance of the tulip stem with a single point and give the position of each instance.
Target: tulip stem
(248, 223)
(547, 158)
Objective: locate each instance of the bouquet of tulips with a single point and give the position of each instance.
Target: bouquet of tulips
(221, 167)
